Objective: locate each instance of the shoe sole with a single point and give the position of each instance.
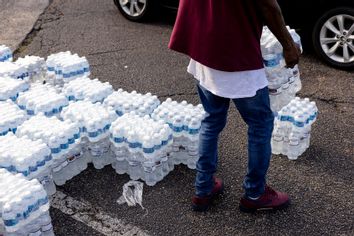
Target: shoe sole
(253, 210)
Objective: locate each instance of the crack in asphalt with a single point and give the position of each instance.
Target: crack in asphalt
(330, 101)
(177, 94)
(50, 14)
(110, 51)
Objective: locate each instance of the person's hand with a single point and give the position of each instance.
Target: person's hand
(291, 55)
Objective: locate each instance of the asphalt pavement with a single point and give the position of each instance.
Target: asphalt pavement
(17, 19)
(134, 56)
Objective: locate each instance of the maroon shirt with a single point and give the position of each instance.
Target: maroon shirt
(221, 34)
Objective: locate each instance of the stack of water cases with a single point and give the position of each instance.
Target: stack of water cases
(284, 82)
(13, 70)
(123, 102)
(292, 129)
(140, 145)
(94, 121)
(24, 206)
(87, 89)
(35, 66)
(63, 67)
(185, 121)
(11, 116)
(63, 139)
(42, 99)
(5, 53)
(10, 88)
(30, 158)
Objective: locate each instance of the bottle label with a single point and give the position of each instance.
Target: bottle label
(271, 62)
(177, 129)
(193, 131)
(71, 140)
(48, 158)
(148, 150)
(55, 150)
(10, 222)
(118, 140)
(298, 123)
(134, 145)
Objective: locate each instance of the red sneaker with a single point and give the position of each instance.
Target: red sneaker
(203, 203)
(269, 200)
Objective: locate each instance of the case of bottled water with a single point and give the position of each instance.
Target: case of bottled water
(284, 82)
(11, 116)
(13, 70)
(10, 88)
(24, 206)
(63, 139)
(63, 67)
(31, 158)
(124, 102)
(94, 121)
(42, 98)
(5, 53)
(292, 128)
(141, 146)
(35, 66)
(86, 89)
(185, 121)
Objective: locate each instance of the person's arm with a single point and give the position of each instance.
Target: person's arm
(273, 18)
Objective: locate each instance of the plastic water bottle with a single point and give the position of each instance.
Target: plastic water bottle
(24, 206)
(86, 89)
(63, 139)
(119, 148)
(42, 99)
(193, 136)
(30, 158)
(292, 129)
(295, 147)
(134, 159)
(144, 144)
(64, 67)
(94, 121)
(12, 70)
(123, 102)
(284, 83)
(150, 161)
(35, 67)
(185, 121)
(10, 88)
(11, 116)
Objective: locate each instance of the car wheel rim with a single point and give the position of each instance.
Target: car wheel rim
(133, 8)
(337, 38)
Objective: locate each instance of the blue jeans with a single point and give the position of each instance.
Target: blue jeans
(256, 112)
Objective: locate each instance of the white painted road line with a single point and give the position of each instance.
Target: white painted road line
(93, 217)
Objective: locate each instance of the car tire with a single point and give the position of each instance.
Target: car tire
(332, 39)
(142, 12)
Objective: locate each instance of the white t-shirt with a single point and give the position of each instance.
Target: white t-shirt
(240, 84)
